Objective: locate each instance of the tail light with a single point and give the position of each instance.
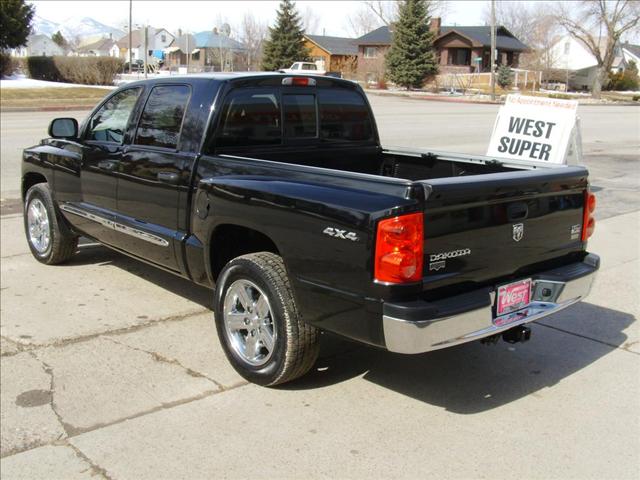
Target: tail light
(299, 81)
(588, 220)
(399, 249)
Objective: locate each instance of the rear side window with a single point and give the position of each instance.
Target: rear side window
(299, 115)
(250, 118)
(344, 116)
(110, 122)
(161, 119)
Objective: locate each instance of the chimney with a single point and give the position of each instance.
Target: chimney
(179, 32)
(434, 25)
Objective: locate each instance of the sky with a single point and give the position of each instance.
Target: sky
(203, 15)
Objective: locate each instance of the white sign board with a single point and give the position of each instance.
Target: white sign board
(536, 129)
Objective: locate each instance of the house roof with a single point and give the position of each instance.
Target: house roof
(102, 44)
(335, 45)
(211, 39)
(480, 36)
(633, 49)
(136, 39)
(379, 36)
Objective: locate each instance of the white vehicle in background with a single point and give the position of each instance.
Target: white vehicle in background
(308, 68)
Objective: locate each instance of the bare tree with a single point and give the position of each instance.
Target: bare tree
(517, 17)
(599, 24)
(310, 21)
(375, 14)
(253, 34)
(362, 21)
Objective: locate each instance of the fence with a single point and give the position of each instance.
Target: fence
(522, 80)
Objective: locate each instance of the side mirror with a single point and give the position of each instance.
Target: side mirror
(63, 128)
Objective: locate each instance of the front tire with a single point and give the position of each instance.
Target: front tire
(258, 323)
(50, 240)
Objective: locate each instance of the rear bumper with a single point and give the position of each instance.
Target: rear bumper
(420, 326)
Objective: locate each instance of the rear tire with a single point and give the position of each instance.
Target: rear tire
(258, 323)
(50, 239)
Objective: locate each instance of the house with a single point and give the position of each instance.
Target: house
(158, 39)
(631, 53)
(337, 54)
(175, 56)
(573, 62)
(208, 51)
(39, 45)
(459, 49)
(105, 47)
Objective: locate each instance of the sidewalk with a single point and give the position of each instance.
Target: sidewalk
(111, 369)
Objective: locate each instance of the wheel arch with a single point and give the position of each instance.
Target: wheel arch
(30, 179)
(230, 240)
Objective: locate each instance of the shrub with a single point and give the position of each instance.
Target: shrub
(625, 80)
(560, 96)
(7, 65)
(82, 70)
(636, 98)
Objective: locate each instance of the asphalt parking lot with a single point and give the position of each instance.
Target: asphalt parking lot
(111, 368)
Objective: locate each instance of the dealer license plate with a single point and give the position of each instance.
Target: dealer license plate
(513, 296)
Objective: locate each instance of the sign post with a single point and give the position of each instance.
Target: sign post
(537, 129)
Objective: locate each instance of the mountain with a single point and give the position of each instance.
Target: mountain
(76, 28)
(43, 26)
(82, 27)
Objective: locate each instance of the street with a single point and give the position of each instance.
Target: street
(111, 368)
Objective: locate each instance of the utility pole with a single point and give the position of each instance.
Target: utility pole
(493, 50)
(146, 49)
(130, 16)
(188, 52)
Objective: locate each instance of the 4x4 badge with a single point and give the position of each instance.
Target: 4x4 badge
(518, 231)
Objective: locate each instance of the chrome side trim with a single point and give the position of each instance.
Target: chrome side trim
(403, 336)
(134, 232)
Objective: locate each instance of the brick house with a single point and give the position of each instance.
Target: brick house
(338, 54)
(459, 49)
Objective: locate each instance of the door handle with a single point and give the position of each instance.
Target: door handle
(108, 165)
(168, 177)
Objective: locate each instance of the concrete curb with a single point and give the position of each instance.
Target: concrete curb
(438, 98)
(50, 108)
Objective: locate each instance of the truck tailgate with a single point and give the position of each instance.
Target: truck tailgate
(489, 227)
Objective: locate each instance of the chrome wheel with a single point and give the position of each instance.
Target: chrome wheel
(38, 225)
(248, 322)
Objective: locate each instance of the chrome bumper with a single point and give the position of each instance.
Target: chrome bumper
(549, 295)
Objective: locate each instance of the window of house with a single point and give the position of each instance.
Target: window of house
(370, 52)
(459, 56)
(299, 115)
(110, 122)
(567, 48)
(161, 119)
(163, 38)
(344, 116)
(371, 77)
(250, 118)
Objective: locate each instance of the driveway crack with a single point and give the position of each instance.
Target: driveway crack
(172, 361)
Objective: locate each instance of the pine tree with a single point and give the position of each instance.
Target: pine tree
(411, 56)
(16, 17)
(59, 39)
(286, 42)
(503, 77)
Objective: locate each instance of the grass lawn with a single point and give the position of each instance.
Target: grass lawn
(51, 97)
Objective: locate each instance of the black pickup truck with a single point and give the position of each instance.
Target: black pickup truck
(274, 190)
